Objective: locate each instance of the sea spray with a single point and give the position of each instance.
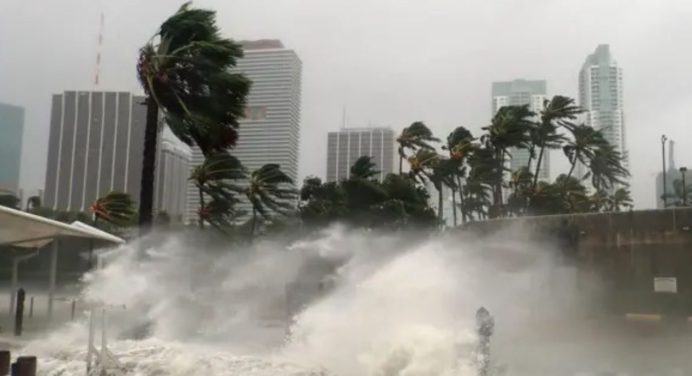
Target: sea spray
(397, 305)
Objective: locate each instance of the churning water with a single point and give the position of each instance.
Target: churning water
(345, 303)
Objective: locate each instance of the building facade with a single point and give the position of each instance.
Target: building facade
(345, 146)
(11, 134)
(518, 93)
(172, 173)
(601, 95)
(96, 146)
(270, 131)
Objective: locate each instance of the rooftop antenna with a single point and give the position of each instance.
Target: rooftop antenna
(98, 53)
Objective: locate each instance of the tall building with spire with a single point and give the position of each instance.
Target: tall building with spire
(601, 96)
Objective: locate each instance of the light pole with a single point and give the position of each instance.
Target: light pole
(663, 158)
(683, 170)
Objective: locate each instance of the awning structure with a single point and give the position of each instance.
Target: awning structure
(30, 231)
(26, 230)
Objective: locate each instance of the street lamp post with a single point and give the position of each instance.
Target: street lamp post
(663, 158)
(683, 170)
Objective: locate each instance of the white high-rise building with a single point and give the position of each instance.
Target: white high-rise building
(270, 131)
(347, 145)
(518, 93)
(600, 94)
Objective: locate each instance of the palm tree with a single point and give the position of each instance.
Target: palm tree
(581, 148)
(269, 190)
(185, 70)
(364, 168)
(215, 178)
(606, 168)
(621, 199)
(444, 172)
(414, 137)
(421, 164)
(509, 128)
(117, 208)
(559, 111)
(459, 145)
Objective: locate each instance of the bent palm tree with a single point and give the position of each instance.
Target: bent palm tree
(509, 128)
(557, 112)
(215, 178)
(117, 208)
(421, 164)
(364, 168)
(621, 199)
(270, 190)
(185, 70)
(459, 145)
(606, 168)
(414, 137)
(583, 146)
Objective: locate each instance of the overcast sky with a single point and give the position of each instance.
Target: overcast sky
(389, 62)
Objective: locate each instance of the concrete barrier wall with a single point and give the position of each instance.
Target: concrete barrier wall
(626, 251)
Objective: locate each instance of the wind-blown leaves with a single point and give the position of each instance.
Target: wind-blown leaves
(116, 207)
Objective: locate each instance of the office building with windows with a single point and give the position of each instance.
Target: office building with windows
(96, 146)
(345, 146)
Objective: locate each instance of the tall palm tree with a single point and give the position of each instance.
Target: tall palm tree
(414, 137)
(582, 146)
(364, 168)
(509, 128)
(270, 190)
(185, 70)
(117, 208)
(459, 145)
(557, 112)
(606, 168)
(215, 178)
(444, 172)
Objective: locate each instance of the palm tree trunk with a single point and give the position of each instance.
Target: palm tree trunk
(574, 164)
(461, 200)
(439, 203)
(201, 208)
(146, 193)
(401, 164)
(254, 221)
(454, 206)
(538, 168)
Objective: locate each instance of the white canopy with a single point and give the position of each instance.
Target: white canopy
(22, 229)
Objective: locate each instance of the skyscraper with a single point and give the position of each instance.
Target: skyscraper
(345, 146)
(600, 94)
(270, 131)
(95, 146)
(518, 93)
(11, 132)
